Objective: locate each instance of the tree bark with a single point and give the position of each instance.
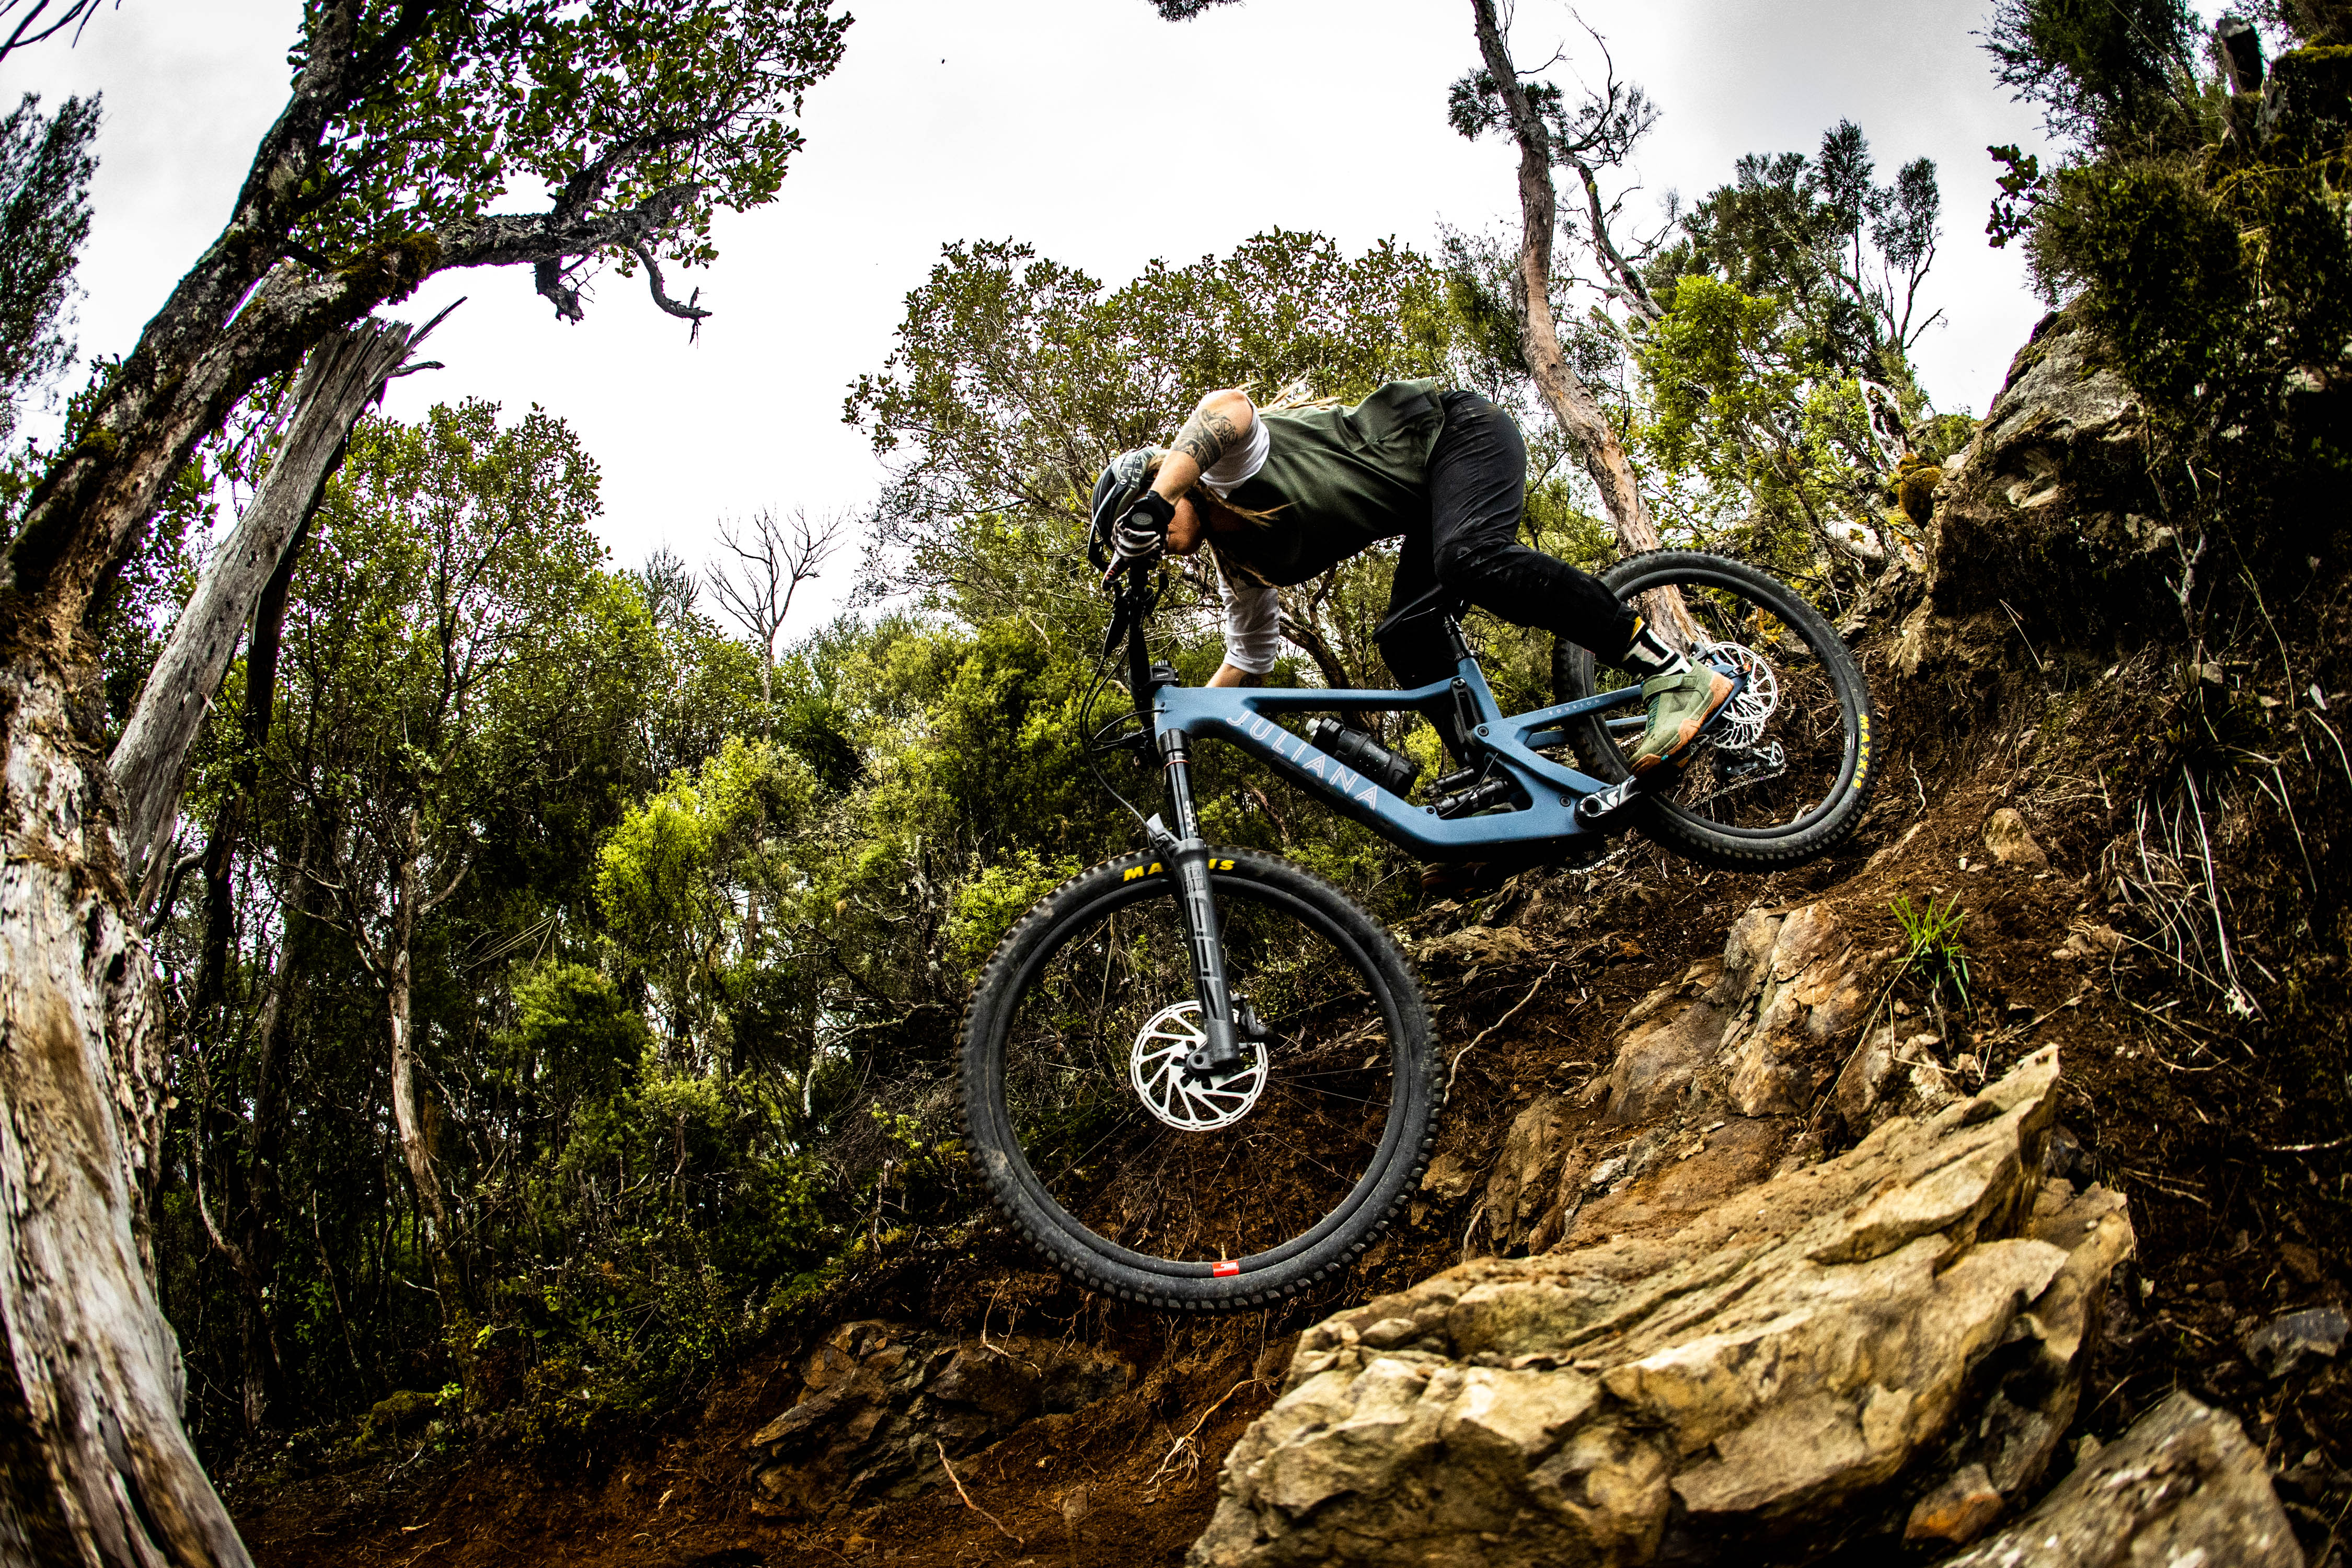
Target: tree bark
(1571, 402)
(94, 1466)
(416, 1137)
(342, 376)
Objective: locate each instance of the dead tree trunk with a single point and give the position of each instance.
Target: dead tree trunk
(1571, 402)
(340, 379)
(394, 970)
(94, 1466)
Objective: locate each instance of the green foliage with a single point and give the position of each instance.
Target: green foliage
(574, 1038)
(1932, 947)
(1778, 380)
(495, 97)
(985, 908)
(2110, 75)
(683, 878)
(1751, 435)
(2170, 286)
(1845, 257)
(46, 166)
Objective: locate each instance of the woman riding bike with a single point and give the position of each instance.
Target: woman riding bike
(1282, 496)
(1201, 1076)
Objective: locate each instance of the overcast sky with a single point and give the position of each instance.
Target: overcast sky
(1076, 125)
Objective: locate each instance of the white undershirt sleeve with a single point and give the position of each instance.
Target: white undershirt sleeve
(1242, 462)
(1253, 624)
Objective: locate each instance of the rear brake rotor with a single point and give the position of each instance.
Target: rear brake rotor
(1745, 716)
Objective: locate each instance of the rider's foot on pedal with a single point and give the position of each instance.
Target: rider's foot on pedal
(1681, 704)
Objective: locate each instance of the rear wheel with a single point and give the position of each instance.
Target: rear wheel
(1140, 1182)
(1786, 777)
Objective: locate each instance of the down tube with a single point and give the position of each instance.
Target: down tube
(1399, 821)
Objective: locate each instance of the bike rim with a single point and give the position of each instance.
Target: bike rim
(1324, 1124)
(1734, 789)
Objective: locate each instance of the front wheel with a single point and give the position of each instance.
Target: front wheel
(1785, 776)
(1143, 1183)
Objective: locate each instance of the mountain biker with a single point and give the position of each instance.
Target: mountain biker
(1281, 496)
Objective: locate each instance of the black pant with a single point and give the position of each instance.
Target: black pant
(1477, 494)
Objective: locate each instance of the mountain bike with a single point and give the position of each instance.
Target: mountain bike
(1202, 1078)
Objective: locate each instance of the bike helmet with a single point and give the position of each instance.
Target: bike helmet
(1121, 486)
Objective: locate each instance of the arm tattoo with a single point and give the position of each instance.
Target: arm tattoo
(1207, 436)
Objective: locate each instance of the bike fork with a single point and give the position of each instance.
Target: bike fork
(1188, 857)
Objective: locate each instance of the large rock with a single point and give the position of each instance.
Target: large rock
(2049, 528)
(2182, 1486)
(1795, 1369)
(878, 1401)
(1756, 1033)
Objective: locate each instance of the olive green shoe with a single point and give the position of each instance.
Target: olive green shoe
(1680, 707)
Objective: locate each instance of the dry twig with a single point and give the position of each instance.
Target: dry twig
(1182, 1447)
(975, 1507)
(1457, 1065)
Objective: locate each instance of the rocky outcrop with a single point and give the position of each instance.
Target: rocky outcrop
(1759, 1031)
(1811, 1361)
(2183, 1486)
(2047, 525)
(1709, 1072)
(879, 1401)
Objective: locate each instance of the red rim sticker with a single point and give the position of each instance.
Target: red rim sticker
(1226, 1270)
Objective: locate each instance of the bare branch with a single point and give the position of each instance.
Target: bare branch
(773, 558)
(687, 311)
(36, 25)
(1625, 279)
(559, 242)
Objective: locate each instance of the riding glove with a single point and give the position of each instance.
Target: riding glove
(1142, 534)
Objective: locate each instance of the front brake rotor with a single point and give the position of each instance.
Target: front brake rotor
(1176, 1095)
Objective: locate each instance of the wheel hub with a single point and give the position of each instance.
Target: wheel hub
(1158, 1069)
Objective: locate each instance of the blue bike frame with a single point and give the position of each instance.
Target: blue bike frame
(1246, 717)
(1249, 717)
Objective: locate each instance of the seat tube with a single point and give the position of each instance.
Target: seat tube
(1197, 899)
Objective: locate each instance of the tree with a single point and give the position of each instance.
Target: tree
(1601, 130)
(1846, 255)
(2116, 75)
(1778, 388)
(771, 564)
(408, 123)
(46, 166)
(464, 552)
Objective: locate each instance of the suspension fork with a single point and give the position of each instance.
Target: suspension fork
(1188, 857)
